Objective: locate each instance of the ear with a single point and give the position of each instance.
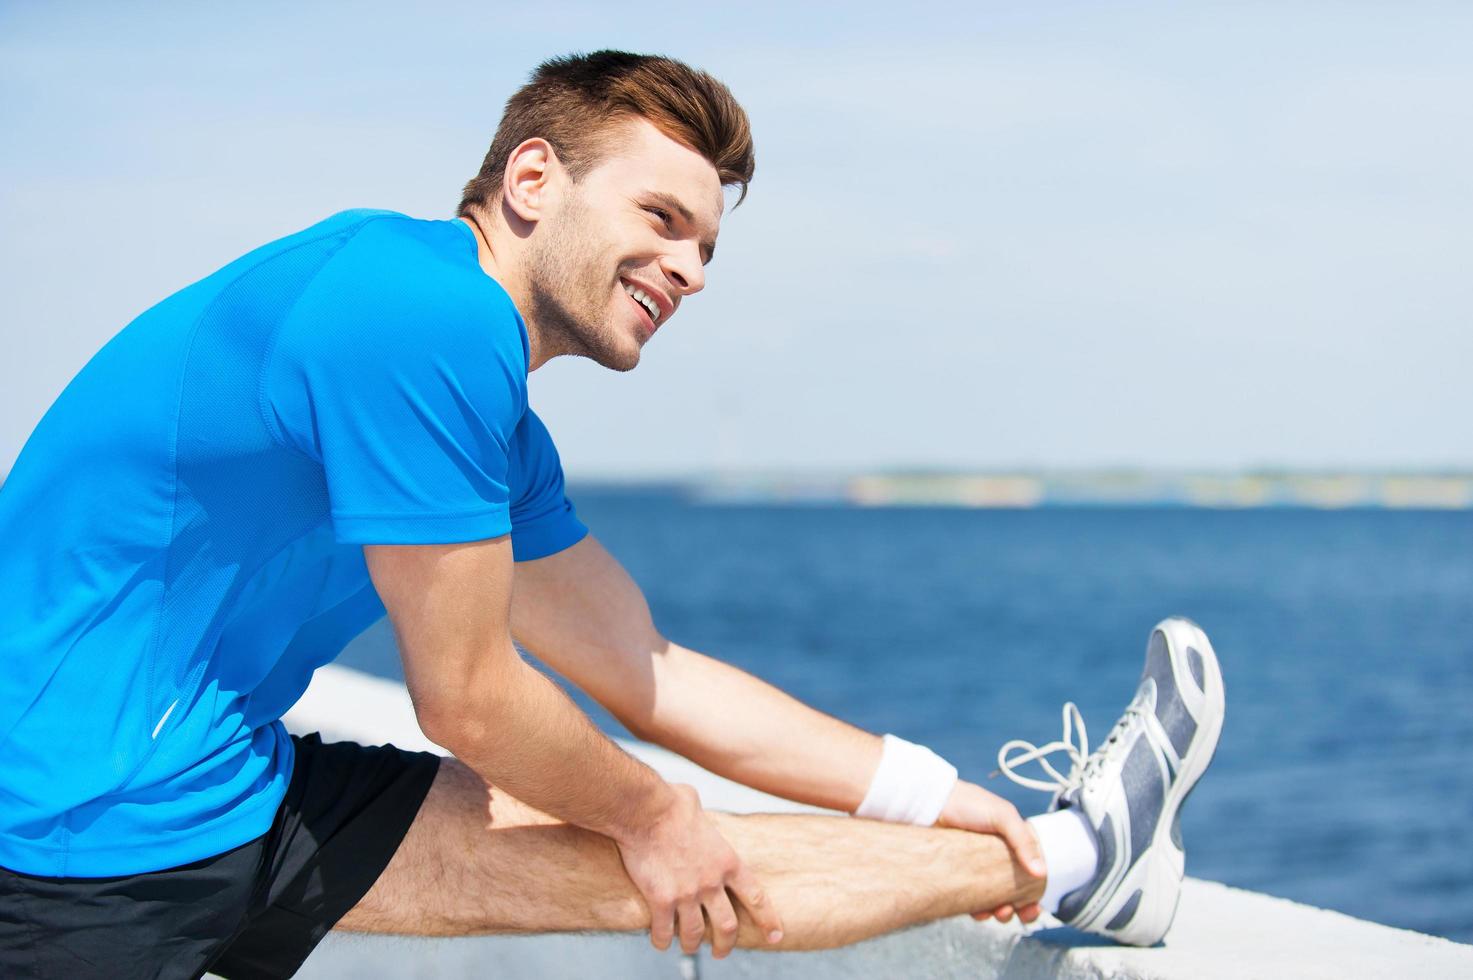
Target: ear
(531, 170)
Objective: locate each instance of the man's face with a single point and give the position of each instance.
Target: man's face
(634, 233)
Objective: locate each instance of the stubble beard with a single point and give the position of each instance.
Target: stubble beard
(569, 296)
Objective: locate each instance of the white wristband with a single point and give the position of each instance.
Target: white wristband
(911, 785)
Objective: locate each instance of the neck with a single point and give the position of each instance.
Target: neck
(496, 252)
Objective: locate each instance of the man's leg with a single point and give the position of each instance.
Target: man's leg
(464, 870)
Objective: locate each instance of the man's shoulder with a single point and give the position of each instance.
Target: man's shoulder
(395, 281)
(387, 250)
(390, 239)
(409, 264)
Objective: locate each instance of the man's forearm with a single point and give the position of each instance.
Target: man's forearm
(518, 731)
(743, 728)
(579, 612)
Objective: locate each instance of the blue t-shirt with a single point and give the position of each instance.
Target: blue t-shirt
(181, 537)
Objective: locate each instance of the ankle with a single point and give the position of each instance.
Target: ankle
(1069, 850)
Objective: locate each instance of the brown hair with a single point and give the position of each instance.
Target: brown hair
(573, 101)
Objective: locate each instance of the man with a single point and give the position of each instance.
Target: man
(335, 426)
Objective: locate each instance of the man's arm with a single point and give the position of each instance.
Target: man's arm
(581, 613)
(473, 694)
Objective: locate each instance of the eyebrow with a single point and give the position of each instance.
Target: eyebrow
(673, 203)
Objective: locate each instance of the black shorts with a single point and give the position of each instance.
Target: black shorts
(255, 911)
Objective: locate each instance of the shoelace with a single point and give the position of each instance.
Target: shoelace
(1081, 763)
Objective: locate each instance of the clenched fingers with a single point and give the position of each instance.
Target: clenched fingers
(723, 919)
(749, 893)
(662, 925)
(1025, 913)
(692, 926)
(1022, 841)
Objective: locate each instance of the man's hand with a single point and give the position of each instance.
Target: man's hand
(681, 864)
(971, 807)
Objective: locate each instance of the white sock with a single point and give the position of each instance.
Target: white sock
(1069, 850)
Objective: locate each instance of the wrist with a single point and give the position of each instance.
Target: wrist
(948, 817)
(650, 805)
(911, 785)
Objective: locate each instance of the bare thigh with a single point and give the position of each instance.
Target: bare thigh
(479, 861)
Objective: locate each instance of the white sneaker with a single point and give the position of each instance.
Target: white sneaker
(1132, 788)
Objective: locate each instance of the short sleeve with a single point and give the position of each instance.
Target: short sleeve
(543, 519)
(406, 383)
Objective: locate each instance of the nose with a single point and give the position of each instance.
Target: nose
(684, 269)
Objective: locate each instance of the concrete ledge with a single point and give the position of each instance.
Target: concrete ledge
(1219, 931)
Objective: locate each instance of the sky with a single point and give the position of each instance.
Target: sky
(981, 235)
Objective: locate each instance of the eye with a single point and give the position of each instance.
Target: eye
(662, 214)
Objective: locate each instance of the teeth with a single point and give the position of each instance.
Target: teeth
(644, 300)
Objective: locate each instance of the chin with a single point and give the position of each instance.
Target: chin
(616, 363)
(613, 354)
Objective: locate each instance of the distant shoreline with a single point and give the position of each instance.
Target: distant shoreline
(1073, 488)
(1030, 489)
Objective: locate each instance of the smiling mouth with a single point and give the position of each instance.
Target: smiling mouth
(644, 299)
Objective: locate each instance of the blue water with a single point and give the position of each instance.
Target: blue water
(1343, 778)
